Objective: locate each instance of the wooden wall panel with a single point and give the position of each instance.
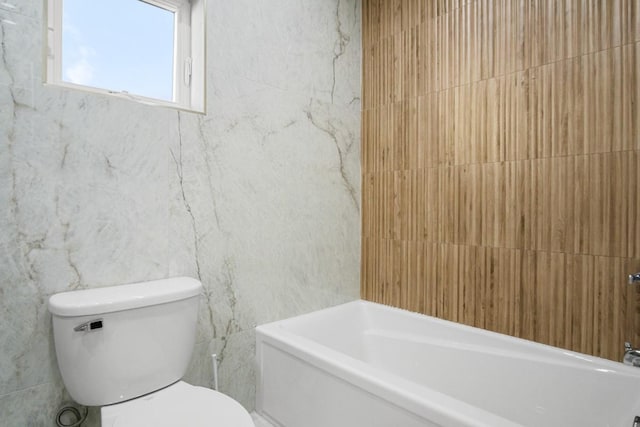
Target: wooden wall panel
(499, 165)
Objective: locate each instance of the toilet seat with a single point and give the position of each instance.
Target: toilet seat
(180, 404)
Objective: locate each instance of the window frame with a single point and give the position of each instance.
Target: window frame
(188, 54)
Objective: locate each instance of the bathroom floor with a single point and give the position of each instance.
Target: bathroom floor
(259, 421)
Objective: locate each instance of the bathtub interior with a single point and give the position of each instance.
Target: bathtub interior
(338, 328)
(528, 383)
(347, 328)
(524, 390)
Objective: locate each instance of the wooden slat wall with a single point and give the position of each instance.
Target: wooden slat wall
(500, 156)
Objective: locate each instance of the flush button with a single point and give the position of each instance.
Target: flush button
(96, 324)
(89, 326)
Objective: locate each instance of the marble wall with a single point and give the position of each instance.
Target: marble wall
(259, 198)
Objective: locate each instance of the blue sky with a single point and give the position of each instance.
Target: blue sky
(121, 45)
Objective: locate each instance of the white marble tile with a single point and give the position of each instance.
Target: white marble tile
(236, 367)
(29, 8)
(38, 406)
(289, 47)
(259, 198)
(83, 203)
(271, 198)
(32, 407)
(235, 354)
(20, 61)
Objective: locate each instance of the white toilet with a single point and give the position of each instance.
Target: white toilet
(125, 348)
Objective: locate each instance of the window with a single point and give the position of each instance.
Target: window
(148, 50)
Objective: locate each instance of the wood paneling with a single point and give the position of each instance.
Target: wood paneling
(500, 160)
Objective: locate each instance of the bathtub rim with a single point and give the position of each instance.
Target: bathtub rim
(570, 357)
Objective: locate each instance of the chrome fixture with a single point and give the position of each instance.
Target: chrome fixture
(634, 278)
(89, 326)
(636, 422)
(631, 355)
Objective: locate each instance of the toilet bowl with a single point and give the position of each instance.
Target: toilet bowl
(126, 348)
(180, 404)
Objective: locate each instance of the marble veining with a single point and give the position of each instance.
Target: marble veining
(331, 131)
(259, 198)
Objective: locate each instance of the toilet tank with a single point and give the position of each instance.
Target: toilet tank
(117, 343)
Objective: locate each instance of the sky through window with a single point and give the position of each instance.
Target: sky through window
(119, 45)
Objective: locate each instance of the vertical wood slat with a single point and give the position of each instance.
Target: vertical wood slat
(500, 144)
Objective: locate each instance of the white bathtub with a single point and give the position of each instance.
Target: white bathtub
(365, 364)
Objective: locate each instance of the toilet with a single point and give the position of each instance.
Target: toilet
(125, 348)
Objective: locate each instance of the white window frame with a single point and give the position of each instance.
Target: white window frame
(188, 55)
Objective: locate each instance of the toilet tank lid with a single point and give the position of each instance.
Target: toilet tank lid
(109, 299)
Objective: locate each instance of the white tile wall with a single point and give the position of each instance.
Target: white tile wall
(259, 198)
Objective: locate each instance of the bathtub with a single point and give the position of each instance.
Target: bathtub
(369, 365)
